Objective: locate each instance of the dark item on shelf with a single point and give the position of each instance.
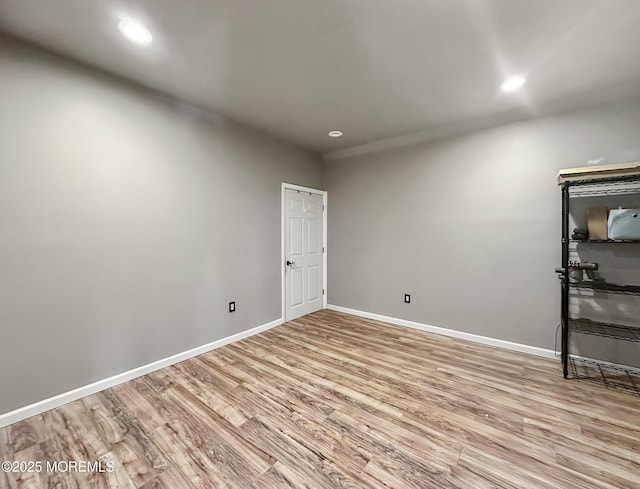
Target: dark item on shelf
(577, 268)
(597, 222)
(576, 274)
(583, 265)
(580, 234)
(624, 224)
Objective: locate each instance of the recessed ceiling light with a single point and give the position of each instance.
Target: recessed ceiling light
(512, 83)
(135, 31)
(335, 134)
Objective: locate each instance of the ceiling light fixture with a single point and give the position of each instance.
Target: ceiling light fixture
(135, 31)
(335, 134)
(513, 83)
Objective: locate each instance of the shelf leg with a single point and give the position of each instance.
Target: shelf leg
(565, 282)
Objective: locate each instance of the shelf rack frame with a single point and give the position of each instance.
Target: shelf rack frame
(609, 185)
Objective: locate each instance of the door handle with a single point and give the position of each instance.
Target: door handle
(290, 262)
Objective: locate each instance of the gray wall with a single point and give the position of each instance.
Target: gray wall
(127, 222)
(469, 226)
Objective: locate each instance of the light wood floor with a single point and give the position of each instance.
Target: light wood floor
(332, 401)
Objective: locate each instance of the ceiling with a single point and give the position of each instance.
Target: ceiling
(374, 69)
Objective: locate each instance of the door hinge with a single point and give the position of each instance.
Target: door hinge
(323, 249)
(322, 291)
(322, 206)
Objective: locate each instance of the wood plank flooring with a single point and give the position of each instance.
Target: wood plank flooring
(335, 401)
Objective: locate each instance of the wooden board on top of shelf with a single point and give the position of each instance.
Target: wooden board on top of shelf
(598, 171)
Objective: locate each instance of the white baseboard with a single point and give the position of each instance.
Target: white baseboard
(75, 394)
(485, 340)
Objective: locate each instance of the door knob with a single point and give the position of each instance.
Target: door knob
(290, 262)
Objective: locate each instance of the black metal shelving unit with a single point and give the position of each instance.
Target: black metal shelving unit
(623, 376)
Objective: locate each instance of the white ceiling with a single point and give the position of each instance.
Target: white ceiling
(374, 69)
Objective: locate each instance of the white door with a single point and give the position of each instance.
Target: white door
(303, 253)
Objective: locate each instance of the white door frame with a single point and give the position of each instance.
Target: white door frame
(283, 258)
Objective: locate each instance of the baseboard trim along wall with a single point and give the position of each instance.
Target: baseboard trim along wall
(80, 392)
(532, 350)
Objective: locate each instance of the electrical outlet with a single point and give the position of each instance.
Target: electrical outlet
(407, 298)
(232, 306)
